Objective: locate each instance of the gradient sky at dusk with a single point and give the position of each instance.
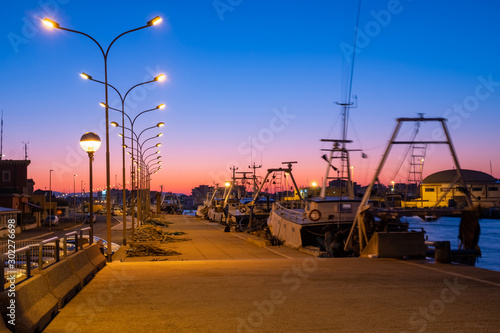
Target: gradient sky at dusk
(266, 73)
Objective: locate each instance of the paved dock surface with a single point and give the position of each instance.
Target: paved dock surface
(224, 283)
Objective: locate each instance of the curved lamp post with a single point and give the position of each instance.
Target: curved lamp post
(158, 78)
(150, 170)
(52, 24)
(142, 165)
(143, 178)
(131, 129)
(139, 153)
(90, 142)
(74, 197)
(50, 200)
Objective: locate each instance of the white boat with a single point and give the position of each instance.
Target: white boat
(327, 222)
(212, 207)
(308, 225)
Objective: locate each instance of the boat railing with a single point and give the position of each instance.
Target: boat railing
(292, 204)
(289, 213)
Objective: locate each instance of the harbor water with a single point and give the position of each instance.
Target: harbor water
(446, 229)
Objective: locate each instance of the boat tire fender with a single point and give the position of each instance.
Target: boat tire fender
(243, 209)
(314, 215)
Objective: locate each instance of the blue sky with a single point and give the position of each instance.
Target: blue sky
(235, 68)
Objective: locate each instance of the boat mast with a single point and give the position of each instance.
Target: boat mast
(1, 137)
(254, 166)
(345, 173)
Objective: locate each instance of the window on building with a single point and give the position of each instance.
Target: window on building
(429, 189)
(443, 189)
(493, 188)
(477, 189)
(6, 176)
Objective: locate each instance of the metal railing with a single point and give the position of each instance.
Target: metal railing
(16, 269)
(65, 243)
(18, 264)
(91, 235)
(288, 213)
(48, 253)
(6, 245)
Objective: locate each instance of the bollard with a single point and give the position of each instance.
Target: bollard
(442, 252)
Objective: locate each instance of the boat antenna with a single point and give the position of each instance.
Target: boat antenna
(347, 98)
(25, 150)
(254, 177)
(339, 146)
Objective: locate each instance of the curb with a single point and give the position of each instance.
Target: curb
(259, 243)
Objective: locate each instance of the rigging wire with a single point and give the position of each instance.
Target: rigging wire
(356, 134)
(330, 131)
(349, 89)
(407, 151)
(385, 144)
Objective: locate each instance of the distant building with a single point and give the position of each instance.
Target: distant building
(340, 187)
(14, 176)
(444, 185)
(16, 189)
(187, 201)
(199, 194)
(41, 199)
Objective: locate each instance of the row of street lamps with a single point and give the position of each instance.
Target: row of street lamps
(90, 139)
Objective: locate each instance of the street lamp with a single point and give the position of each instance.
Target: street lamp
(131, 129)
(50, 200)
(135, 165)
(90, 142)
(140, 166)
(152, 22)
(158, 78)
(74, 197)
(150, 170)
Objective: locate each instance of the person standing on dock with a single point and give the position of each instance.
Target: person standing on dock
(469, 230)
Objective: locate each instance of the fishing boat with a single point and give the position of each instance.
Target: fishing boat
(322, 221)
(212, 208)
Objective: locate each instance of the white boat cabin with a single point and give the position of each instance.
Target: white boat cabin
(330, 209)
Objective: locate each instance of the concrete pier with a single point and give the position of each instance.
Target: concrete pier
(224, 283)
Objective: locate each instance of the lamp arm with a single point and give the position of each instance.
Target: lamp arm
(143, 113)
(145, 131)
(84, 34)
(124, 33)
(139, 84)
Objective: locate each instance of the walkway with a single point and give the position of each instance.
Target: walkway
(223, 283)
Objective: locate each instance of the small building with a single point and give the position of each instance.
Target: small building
(444, 189)
(47, 207)
(9, 218)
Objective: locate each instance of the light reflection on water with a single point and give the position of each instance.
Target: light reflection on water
(446, 228)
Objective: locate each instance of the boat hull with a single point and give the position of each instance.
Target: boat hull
(296, 232)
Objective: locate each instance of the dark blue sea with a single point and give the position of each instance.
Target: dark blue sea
(446, 229)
